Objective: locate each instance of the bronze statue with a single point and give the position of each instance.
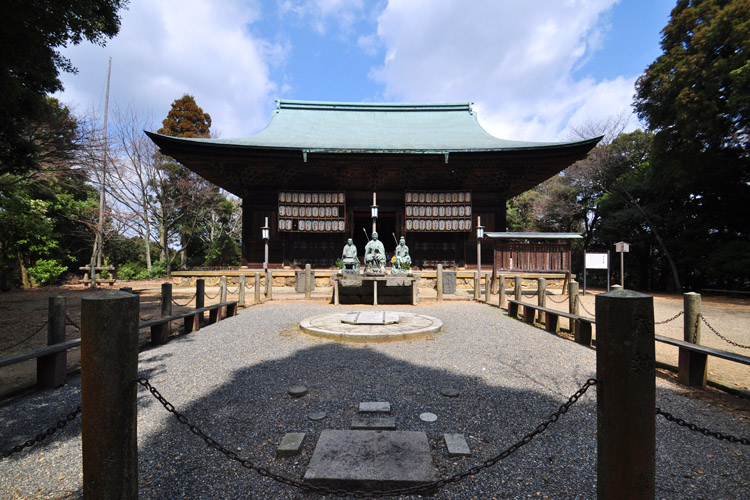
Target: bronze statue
(375, 255)
(401, 259)
(349, 257)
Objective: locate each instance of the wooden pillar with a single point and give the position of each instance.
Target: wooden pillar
(109, 366)
(52, 368)
(269, 284)
(501, 290)
(439, 284)
(222, 289)
(477, 283)
(487, 287)
(257, 288)
(573, 298)
(160, 333)
(517, 288)
(335, 292)
(692, 368)
(541, 298)
(625, 372)
(308, 282)
(200, 297)
(241, 298)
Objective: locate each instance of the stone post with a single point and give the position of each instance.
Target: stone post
(541, 298)
(109, 366)
(517, 288)
(222, 289)
(241, 298)
(487, 287)
(501, 290)
(257, 288)
(308, 282)
(477, 284)
(439, 275)
(200, 296)
(573, 298)
(692, 370)
(269, 284)
(52, 368)
(625, 373)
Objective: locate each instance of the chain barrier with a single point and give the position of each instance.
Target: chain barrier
(722, 337)
(212, 443)
(210, 297)
(69, 321)
(232, 292)
(580, 303)
(718, 435)
(670, 319)
(564, 299)
(186, 303)
(26, 338)
(43, 435)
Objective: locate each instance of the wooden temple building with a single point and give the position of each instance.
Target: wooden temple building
(315, 168)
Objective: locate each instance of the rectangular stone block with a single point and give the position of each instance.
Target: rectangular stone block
(371, 460)
(290, 445)
(457, 446)
(374, 424)
(375, 407)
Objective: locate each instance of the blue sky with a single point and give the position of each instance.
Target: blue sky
(534, 69)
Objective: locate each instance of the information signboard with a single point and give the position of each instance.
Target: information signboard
(597, 261)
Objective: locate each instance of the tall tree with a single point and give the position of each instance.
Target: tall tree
(186, 119)
(30, 34)
(696, 98)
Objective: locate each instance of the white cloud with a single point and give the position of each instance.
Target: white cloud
(318, 13)
(167, 48)
(514, 59)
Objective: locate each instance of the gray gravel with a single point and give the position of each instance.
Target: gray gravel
(232, 379)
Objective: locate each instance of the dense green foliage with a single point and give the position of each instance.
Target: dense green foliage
(30, 34)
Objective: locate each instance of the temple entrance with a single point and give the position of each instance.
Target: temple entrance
(386, 228)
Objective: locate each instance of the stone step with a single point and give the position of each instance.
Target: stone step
(457, 446)
(371, 460)
(374, 424)
(290, 444)
(375, 407)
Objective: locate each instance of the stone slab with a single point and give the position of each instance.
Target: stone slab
(370, 318)
(457, 445)
(375, 407)
(371, 460)
(380, 423)
(290, 444)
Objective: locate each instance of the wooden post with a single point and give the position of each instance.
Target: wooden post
(517, 288)
(625, 372)
(477, 283)
(487, 287)
(308, 282)
(257, 288)
(335, 292)
(415, 291)
(200, 297)
(501, 290)
(573, 298)
(52, 368)
(222, 289)
(269, 284)
(241, 299)
(160, 333)
(541, 298)
(692, 369)
(109, 366)
(166, 299)
(439, 280)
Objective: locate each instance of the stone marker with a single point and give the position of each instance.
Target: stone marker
(374, 424)
(375, 407)
(428, 417)
(457, 446)
(371, 460)
(449, 392)
(290, 445)
(317, 415)
(370, 318)
(297, 391)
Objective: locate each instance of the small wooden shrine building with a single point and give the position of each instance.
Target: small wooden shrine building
(314, 169)
(532, 252)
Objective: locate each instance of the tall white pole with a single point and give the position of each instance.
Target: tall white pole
(96, 254)
(479, 248)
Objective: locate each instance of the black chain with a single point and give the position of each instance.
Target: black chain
(722, 337)
(564, 299)
(210, 297)
(26, 338)
(670, 319)
(718, 435)
(232, 292)
(580, 303)
(69, 321)
(212, 443)
(186, 303)
(43, 435)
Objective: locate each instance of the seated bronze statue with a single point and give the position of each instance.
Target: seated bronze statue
(401, 258)
(375, 255)
(349, 257)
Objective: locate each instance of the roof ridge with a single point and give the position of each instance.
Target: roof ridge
(373, 106)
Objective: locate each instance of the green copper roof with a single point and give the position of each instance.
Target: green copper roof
(376, 127)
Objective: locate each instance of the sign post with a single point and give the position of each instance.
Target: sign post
(622, 248)
(595, 261)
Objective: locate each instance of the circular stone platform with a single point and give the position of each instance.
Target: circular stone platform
(409, 326)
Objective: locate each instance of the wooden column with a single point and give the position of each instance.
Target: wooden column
(477, 282)
(573, 298)
(692, 368)
(241, 298)
(200, 296)
(257, 288)
(52, 368)
(160, 333)
(308, 282)
(517, 288)
(501, 290)
(439, 284)
(487, 287)
(626, 386)
(109, 366)
(541, 298)
(222, 289)
(269, 284)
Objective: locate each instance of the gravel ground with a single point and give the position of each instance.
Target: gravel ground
(231, 379)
